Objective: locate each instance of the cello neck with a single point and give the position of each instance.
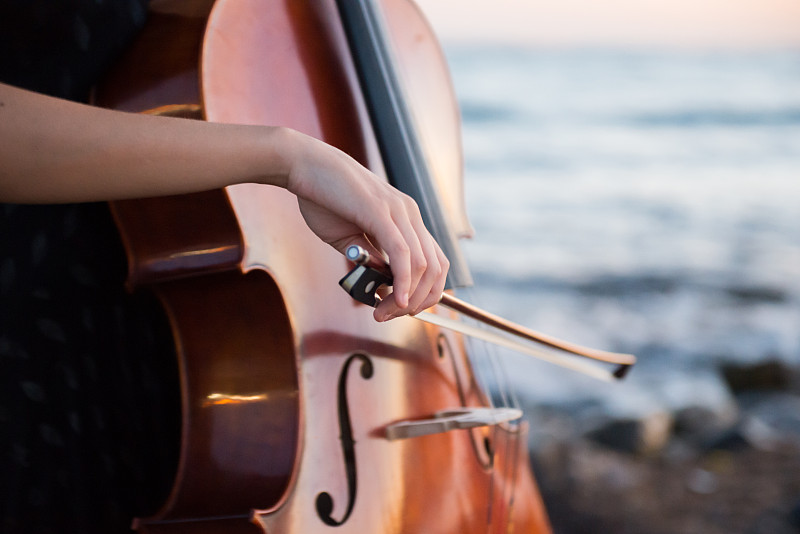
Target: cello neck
(401, 151)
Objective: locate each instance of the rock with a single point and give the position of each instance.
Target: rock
(698, 424)
(794, 515)
(750, 431)
(770, 375)
(702, 481)
(774, 521)
(732, 439)
(647, 435)
(779, 412)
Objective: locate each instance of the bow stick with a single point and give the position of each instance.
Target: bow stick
(369, 274)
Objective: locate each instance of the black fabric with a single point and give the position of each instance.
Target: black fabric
(61, 47)
(89, 399)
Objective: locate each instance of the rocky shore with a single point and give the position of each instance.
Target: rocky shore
(696, 470)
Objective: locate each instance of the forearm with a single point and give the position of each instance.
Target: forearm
(54, 151)
(57, 151)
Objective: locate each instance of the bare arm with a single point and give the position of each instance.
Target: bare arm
(59, 151)
(54, 151)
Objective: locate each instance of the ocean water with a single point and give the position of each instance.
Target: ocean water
(636, 201)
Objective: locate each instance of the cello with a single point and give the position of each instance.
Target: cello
(288, 386)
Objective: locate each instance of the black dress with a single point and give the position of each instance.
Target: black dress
(89, 404)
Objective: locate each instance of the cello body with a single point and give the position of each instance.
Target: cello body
(287, 384)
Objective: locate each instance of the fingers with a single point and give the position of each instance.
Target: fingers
(419, 267)
(343, 203)
(413, 253)
(421, 270)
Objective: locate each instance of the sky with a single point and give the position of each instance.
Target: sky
(653, 23)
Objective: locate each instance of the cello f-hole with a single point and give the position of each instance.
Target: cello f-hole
(324, 502)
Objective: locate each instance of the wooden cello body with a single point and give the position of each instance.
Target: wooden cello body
(288, 384)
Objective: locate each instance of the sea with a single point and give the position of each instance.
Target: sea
(638, 201)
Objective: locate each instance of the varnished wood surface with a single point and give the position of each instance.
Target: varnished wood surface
(265, 336)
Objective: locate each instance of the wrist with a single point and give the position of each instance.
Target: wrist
(303, 157)
(277, 154)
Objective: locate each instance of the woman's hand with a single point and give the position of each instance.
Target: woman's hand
(345, 204)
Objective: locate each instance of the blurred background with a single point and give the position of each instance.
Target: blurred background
(632, 172)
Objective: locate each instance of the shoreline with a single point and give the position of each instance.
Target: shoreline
(691, 471)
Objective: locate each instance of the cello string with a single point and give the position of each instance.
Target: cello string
(508, 396)
(490, 358)
(372, 15)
